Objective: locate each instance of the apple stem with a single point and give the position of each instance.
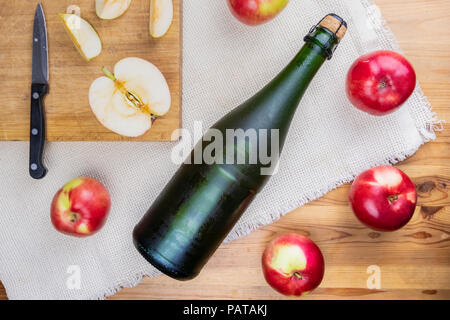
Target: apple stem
(109, 74)
(298, 275)
(393, 198)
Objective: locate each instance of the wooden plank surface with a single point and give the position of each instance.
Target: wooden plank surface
(414, 262)
(69, 117)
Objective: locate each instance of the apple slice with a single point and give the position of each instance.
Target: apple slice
(161, 17)
(125, 102)
(83, 35)
(111, 9)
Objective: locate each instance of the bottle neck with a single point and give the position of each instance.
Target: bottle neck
(297, 76)
(324, 39)
(278, 101)
(274, 106)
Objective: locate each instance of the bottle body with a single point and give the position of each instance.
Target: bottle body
(190, 219)
(203, 201)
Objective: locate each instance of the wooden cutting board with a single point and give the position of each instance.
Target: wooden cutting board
(68, 115)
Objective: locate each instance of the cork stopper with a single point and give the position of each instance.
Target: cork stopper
(335, 24)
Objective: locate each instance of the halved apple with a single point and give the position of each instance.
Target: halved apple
(111, 9)
(126, 101)
(161, 17)
(83, 35)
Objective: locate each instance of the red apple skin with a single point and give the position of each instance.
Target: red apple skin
(81, 207)
(300, 271)
(380, 82)
(383, 198)
(256, 12)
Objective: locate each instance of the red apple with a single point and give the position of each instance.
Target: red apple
(81, 207)
(383, 198)
(380, 82)
(293, 265)
(255, 12)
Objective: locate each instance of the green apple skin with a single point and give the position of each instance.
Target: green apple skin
(256, 12)
(293, 265)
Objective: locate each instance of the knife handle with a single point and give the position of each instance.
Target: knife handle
(37, 130)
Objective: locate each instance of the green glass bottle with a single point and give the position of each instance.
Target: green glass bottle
(204, 200)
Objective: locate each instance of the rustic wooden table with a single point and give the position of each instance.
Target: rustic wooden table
(414, 262)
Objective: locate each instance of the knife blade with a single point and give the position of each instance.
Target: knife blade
(39, 88)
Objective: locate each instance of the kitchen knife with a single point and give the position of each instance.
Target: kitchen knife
(39, 88)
